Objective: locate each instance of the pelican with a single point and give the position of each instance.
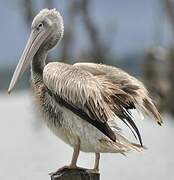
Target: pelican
(82, 103)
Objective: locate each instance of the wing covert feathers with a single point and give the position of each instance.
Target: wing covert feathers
(99, 93)
(129, 84)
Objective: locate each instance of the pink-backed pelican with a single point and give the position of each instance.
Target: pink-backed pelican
(82, 103)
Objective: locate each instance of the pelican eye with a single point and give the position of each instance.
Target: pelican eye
(39, 26)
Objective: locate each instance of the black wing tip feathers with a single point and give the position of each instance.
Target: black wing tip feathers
(132, 124)
(160, 123)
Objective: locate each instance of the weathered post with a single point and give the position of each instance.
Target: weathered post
(75, 174)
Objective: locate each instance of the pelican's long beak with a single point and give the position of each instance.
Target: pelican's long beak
(34, 42)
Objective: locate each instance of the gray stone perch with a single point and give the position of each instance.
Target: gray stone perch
(75, 174)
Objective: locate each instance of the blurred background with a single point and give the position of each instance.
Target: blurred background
(136, 35)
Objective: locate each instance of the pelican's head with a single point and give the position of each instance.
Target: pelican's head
(46, 31)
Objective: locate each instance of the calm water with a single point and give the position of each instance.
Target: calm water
(28, 149)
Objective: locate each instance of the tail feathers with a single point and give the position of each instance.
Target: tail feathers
(139, 146)
(125, 144)
(132, 146)
(122, 144)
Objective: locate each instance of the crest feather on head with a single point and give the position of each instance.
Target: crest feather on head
(49, 12)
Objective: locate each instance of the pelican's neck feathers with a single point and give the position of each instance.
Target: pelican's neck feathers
(38, 63)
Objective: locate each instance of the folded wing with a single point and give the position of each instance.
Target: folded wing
(98, 93)
(127, 83)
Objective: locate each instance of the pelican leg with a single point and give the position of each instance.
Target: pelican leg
(73, 164)
(75, 156)
(97, 159)
(96, 165)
